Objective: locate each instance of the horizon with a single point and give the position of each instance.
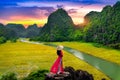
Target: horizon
(29, 12)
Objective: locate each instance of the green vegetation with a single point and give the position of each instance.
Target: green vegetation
(22, 58)
(59, 27)
(100, 27)
(6, 34)
(2, 40)
(32, 31)
(17, 28)
(14, 31)
(9, 76)
(36, 75)
(104, 27)
(95, 50)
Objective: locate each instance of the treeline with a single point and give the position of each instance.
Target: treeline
(99, 27)
(6, 34)
(104, 27)
(14, 31)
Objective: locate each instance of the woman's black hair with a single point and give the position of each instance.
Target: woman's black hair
(58, 52)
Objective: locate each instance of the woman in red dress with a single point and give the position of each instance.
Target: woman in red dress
(57, 67)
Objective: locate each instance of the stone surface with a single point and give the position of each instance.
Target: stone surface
(70, 74)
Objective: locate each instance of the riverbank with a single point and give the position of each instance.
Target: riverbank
(22, 58)
(108, 54)
(109, 68)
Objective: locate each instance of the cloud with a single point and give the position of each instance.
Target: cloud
(16, 11)
(60, 6)
(90, 2)
(29, 11)
(33, 12)
(70, 11)
(37, 4)
(48, 9)
(25, 15)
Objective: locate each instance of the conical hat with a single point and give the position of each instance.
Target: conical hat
(60, 47)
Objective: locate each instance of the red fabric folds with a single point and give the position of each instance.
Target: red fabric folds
(57, 67)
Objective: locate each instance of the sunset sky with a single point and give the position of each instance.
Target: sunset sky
(29, 12)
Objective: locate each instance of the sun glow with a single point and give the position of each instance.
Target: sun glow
(30, 22)
(26, 21)
(38, 15)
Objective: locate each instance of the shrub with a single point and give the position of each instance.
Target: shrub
(2, 40)
(115, 46)
(36, 75)
(9, 76)
(97, 45)
(13, 40)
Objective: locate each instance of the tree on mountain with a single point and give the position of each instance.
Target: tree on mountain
(19, 29)
(59, 27)
(32, 31)
(6, 33)
(103, 27)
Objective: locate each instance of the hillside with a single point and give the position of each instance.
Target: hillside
(14, 31)
(59, 27)
(103, 27)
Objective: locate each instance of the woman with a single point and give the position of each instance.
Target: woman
(57, 67)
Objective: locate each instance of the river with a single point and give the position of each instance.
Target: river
(112, 70)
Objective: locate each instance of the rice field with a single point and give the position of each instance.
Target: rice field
(22, 58)
(89, 48)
